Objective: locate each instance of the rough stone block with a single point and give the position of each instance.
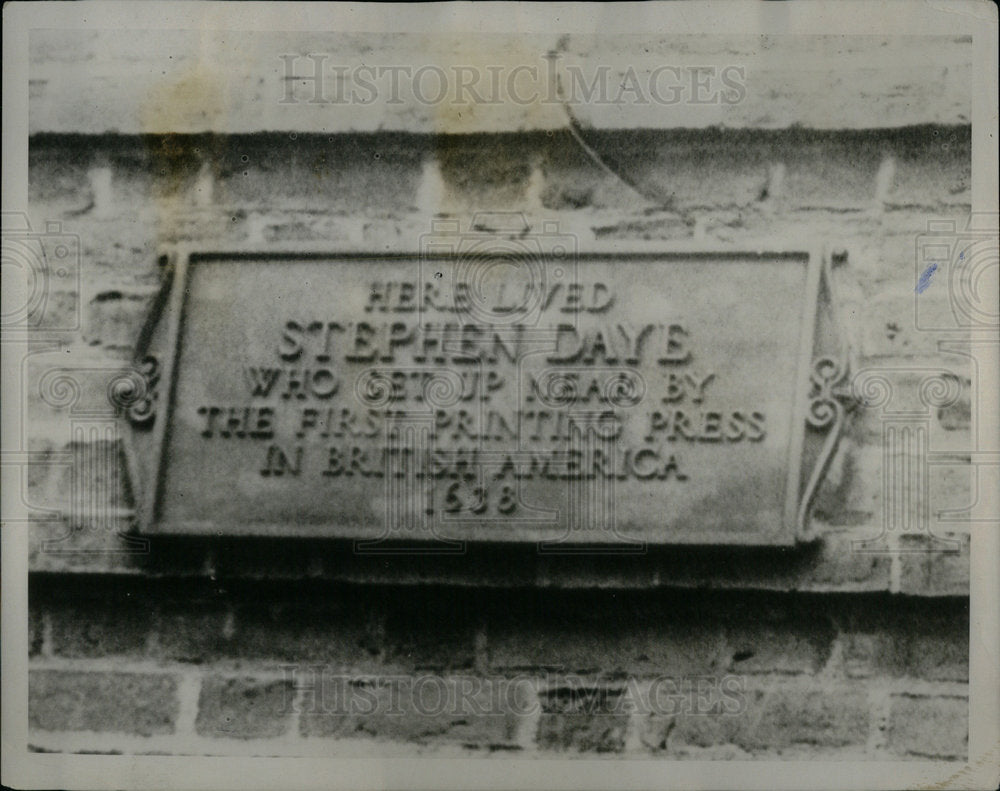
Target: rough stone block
(133, 703)
(244, 708)
(929, 727)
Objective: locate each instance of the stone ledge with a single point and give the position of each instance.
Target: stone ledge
(163, 81)
(835, 564)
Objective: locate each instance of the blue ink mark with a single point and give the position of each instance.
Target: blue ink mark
(925, 278)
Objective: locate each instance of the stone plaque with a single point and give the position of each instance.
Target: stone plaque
(606, 399)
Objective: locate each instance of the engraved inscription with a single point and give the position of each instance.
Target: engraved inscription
(645, 401)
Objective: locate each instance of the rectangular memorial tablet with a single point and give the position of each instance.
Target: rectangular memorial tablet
(504, 396)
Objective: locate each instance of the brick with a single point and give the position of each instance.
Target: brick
(675, 733)
(834, 717)
(887, 392)
(67, 383)
(372, 176)
(925, 639)
(85, 546)
(934, 169)
(903, 490)
(582, 718)
(827, 717)
(100, 628)
(938, 658)
(194, 631)
(837, 566)
(932, 565)
(931, 727)
(422, 709)
(58, 174)
(114, 318)
(865, 655)
(140, 704)
(85, 481)
(957, 416)
(469, 170)
(892, 323)
(847, 497)
(431, 632)
(665, 635)
(342, 635)
(585, 634)
(712, 170)
(928, 492)
(869, 424)
(244, 708)
(955, 486)
(931, 658)
(60, 311)
(36, 628)
(384, 633)
(792, 646)
(707, 708)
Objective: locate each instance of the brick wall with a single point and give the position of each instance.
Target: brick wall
(217, 667)
(853, 646)
(831, 650)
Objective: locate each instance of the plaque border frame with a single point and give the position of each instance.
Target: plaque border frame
(176, 264)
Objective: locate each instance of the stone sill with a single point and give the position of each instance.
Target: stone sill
(912, 565)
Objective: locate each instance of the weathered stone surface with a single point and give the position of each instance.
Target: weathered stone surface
(244, 708)
(929, 727)
(470, 711)
(814, 81)
(583, 719)
(132, 703)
